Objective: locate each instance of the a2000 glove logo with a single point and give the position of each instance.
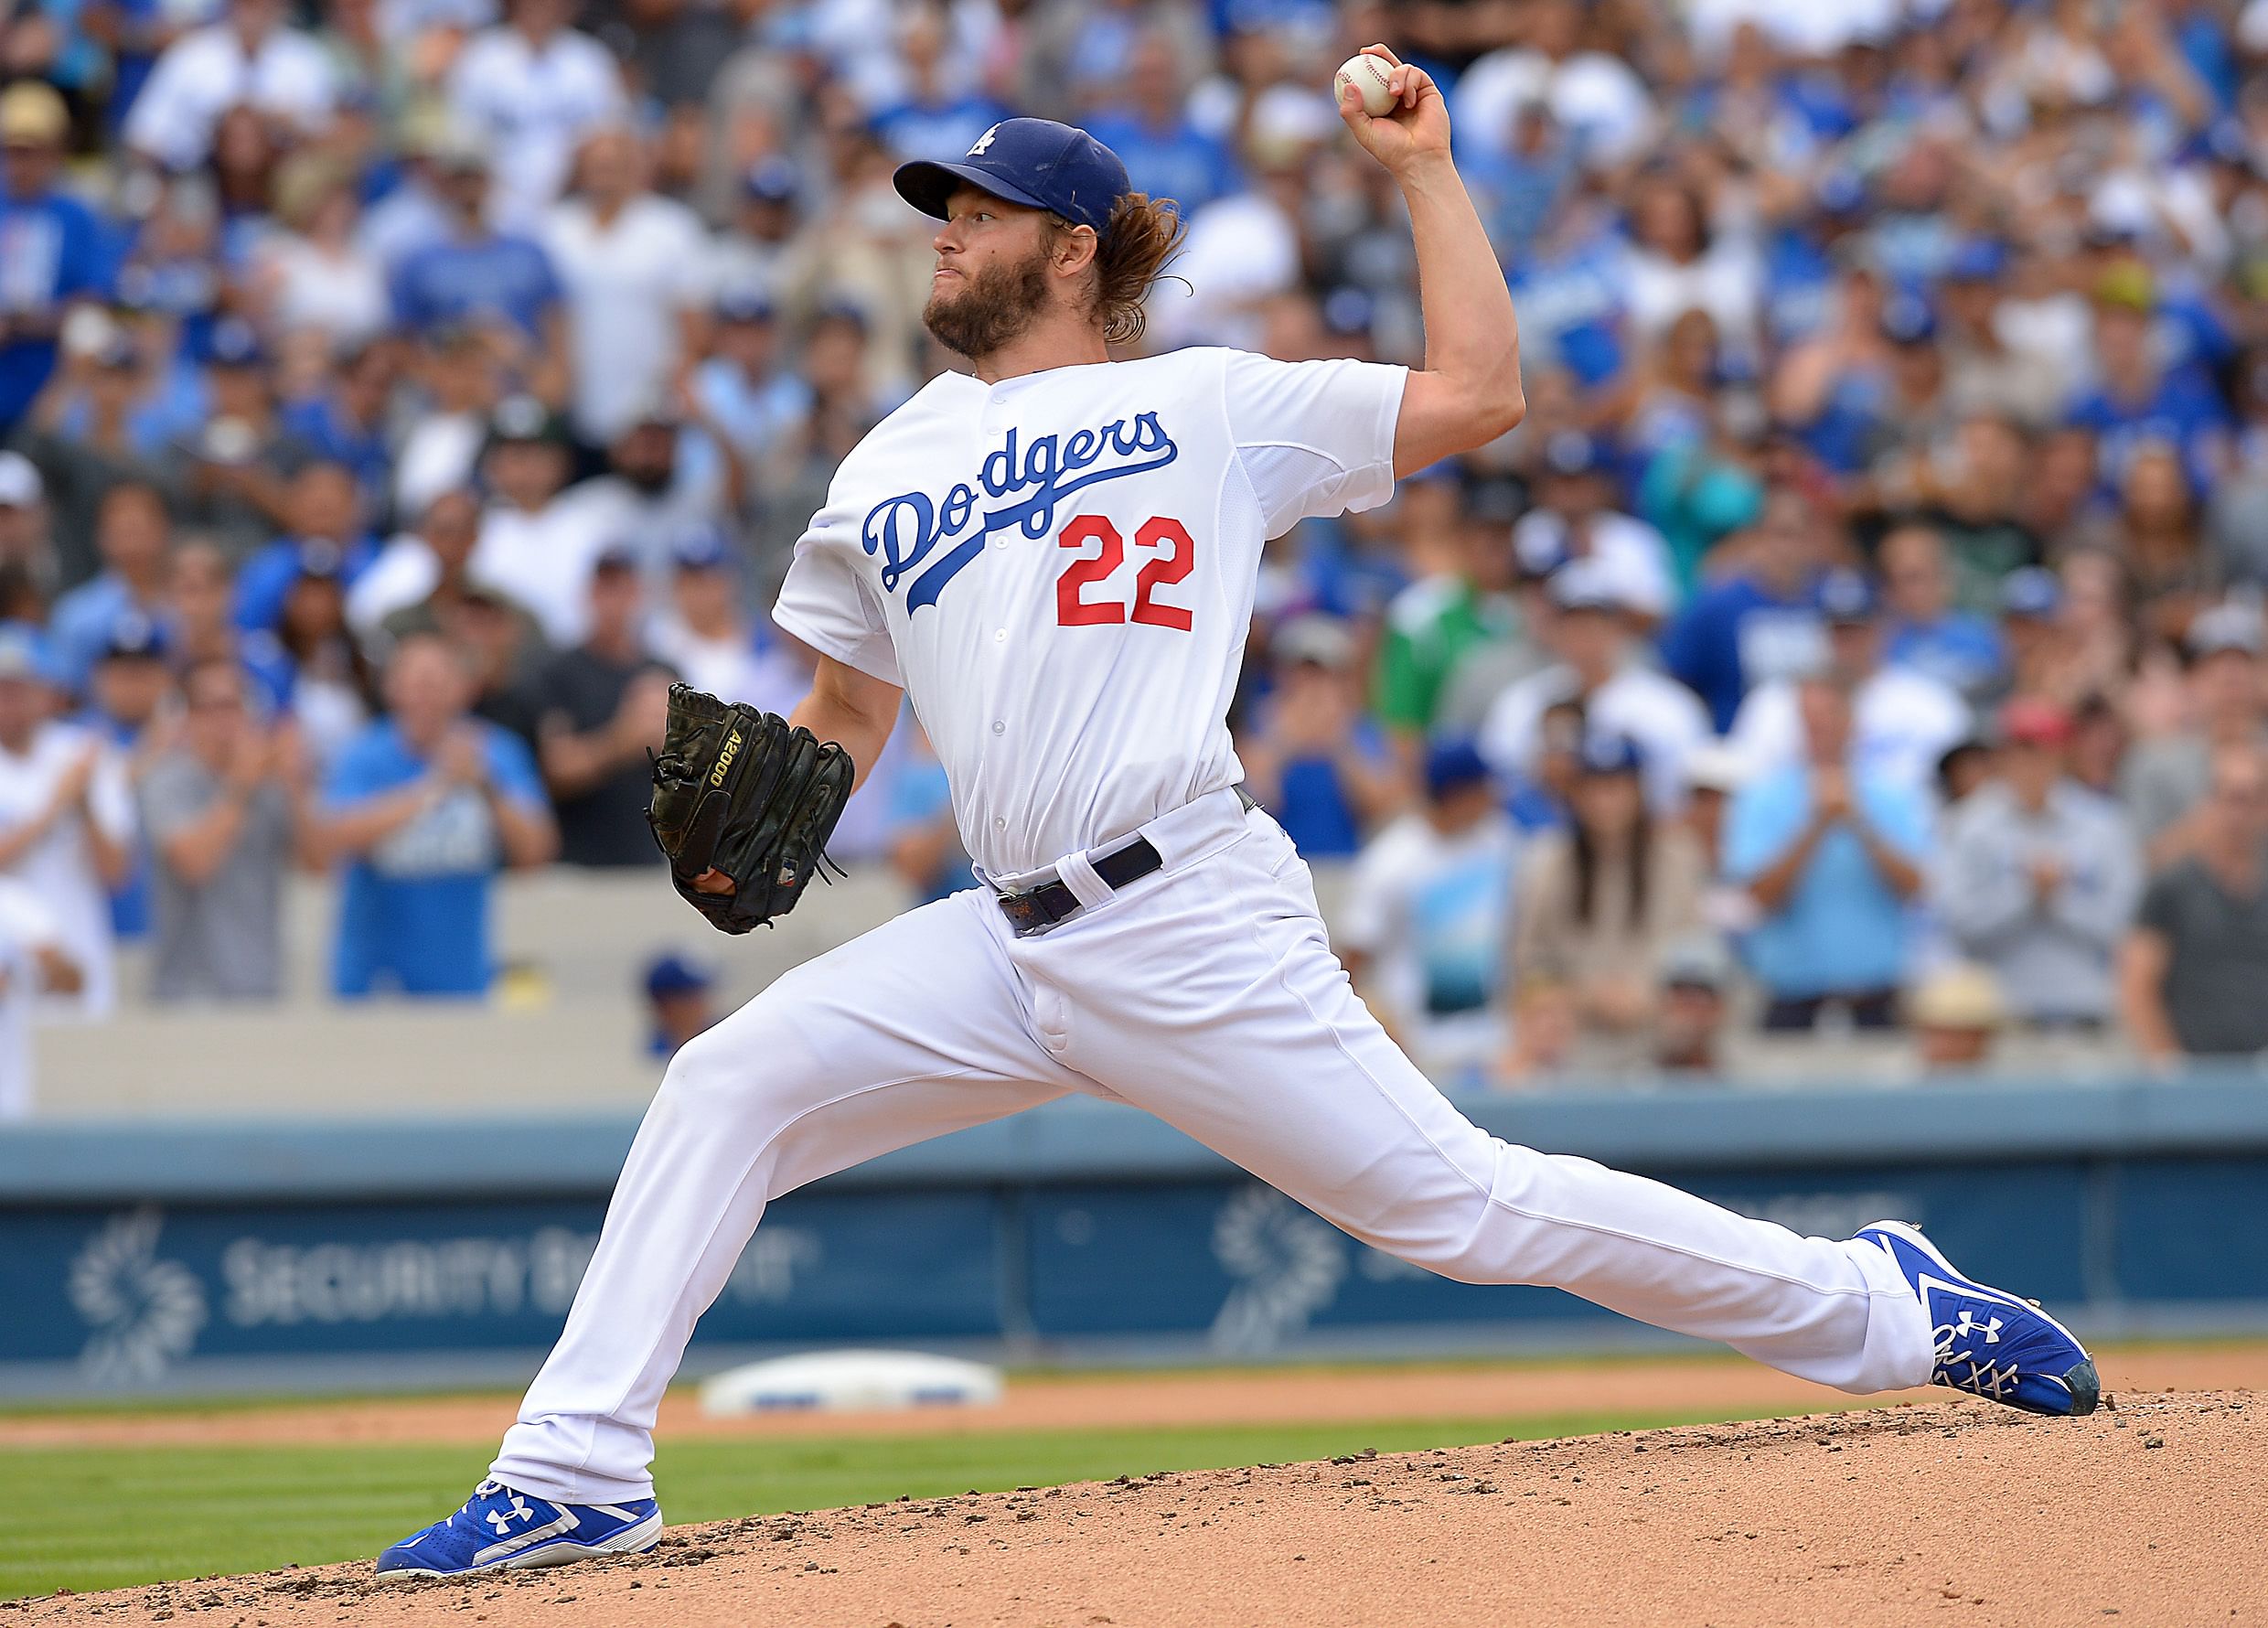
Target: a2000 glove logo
(145, 1313)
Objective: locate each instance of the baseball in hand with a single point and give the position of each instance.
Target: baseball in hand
(1367, 74)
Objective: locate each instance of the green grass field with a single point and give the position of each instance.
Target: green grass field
(106, 1517)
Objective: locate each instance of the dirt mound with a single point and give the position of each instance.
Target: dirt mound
(2150, 1514)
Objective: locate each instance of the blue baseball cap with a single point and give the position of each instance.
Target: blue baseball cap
(1572, 452)
(1906, 319)
(233, 343)
(1609, 753)
(133, 637)
(2034, 591)
(702, 547)
(1979, 260)
(1845, 596)
(773, 180)
(1453, 762)
(1034, 161)
(674, 975)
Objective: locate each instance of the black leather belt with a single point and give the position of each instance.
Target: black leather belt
(1053, 902)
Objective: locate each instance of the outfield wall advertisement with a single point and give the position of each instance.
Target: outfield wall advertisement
(1085, 1235)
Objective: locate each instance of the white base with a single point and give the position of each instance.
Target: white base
(849, 1382)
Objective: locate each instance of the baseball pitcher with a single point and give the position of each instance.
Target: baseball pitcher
(1054, 556)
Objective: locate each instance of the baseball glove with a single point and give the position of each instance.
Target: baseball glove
(747, 794)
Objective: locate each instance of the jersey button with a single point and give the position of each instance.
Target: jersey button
(1000, 824)
(1000, 726)
(999, 635)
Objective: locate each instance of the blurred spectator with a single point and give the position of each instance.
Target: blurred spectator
(2036, 879)
(312, 662)
(502, 652)
(706, 638)
(530, 89)
(2137, 397)
(428, 558)
(498, 282)
(1599, 665)
(937, 113)
(1957, 1014)
(1830, 849)
(678, 1003)
(1976, 487)
(424, 808)
(52, 252)
(1691, 1012)
(458, 379)
(1714, 773)
(32, 962)
(602, 707)
(667, 476)
(745, 386)
(324, 513)
(634, 268)
(26, 557)
(85, 436)
(1322, 769)
(1427, 919)
(2192, 971)
(1444, 615)
(313, 274)
(236, 459)
(130, 696)
(1599, 901)
(1928, 634)
(133, 536)
(225, 808)
(66, 822)
(1537, 799)
(251, 58)
(1757, 624)
(2157, 535)
(1904, 719)
(1149, 126)
(538, 542)
(2164, 780)
(1575, 519)
(755, 254)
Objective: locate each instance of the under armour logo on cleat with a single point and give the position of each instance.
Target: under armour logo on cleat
(1968, 1324)
(502, 1519)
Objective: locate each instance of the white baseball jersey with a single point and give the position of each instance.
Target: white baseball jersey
(1059, 570)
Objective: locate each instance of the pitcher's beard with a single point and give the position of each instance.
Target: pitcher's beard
(995, 307)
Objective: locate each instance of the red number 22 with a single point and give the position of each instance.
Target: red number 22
(1074, 609)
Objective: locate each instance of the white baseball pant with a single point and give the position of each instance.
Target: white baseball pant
(1206, 994)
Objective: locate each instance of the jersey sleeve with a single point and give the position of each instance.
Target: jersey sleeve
(828, 604)
(1315, 438)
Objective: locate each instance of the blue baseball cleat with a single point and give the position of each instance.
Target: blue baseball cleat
(499, 1528)
(1989, 1343)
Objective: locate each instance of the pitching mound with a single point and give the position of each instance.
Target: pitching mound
(2151, 1513)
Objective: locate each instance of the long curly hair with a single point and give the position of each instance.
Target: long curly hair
(1142, 234)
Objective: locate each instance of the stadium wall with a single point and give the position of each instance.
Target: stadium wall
(213, 1256)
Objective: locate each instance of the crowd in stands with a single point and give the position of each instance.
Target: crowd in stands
(1864, 628)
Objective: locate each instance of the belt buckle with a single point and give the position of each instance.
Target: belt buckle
(1027, 917)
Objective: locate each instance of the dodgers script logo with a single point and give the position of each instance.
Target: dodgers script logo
(906, 531)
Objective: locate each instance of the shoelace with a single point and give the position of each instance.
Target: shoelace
(1984, 1378)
